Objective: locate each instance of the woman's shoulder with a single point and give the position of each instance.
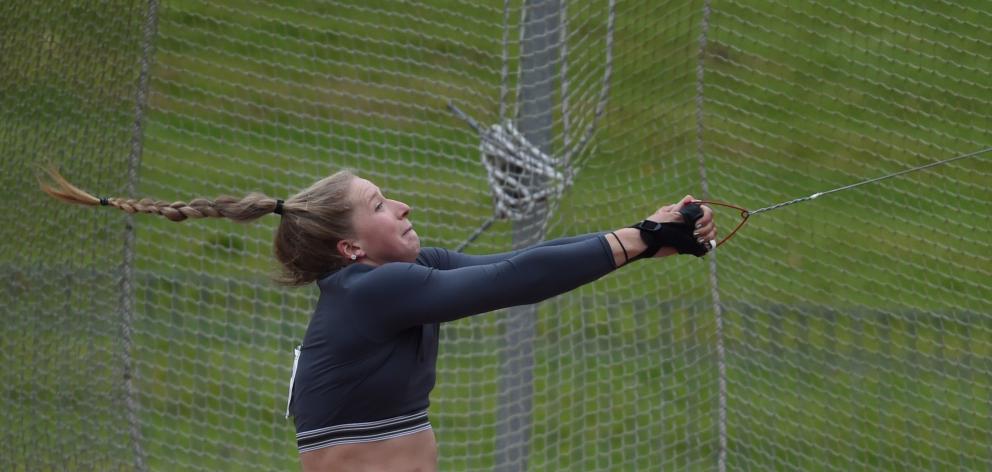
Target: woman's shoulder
(342, 277)
(360, 278)
(434, 257)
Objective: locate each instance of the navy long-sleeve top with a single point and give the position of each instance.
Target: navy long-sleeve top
(371, 347)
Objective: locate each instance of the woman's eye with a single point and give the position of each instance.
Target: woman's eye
(378, 206)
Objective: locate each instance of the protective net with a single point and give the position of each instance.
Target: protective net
(853, 332)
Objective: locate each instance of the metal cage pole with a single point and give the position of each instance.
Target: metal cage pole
(539, 56)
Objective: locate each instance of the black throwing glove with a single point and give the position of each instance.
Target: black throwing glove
(678, 235)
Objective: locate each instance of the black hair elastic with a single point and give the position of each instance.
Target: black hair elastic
(626, 258)
(104, 201)
(278, 209)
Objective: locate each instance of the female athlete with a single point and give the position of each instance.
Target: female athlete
(362, 376)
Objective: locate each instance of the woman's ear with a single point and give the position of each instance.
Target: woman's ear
(348, 250)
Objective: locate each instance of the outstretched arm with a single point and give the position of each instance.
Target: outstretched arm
(627, 241)
(439, 258)
(400, 295)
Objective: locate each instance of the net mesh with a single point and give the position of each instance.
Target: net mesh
(852, 332)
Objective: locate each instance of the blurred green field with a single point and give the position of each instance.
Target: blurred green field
(857, 328)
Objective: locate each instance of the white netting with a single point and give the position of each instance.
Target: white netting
(853, 332)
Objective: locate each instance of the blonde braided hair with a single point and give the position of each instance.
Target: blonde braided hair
(250, 208)
(313, 221)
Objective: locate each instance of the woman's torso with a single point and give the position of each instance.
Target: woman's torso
(414, 452)
(368, 361)
(360, 388)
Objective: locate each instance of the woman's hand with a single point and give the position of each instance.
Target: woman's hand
(704, 232)
(627, 243)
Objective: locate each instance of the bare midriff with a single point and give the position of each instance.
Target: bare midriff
(412, 453)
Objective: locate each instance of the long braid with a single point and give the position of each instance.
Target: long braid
(313, 221)
(251, 207)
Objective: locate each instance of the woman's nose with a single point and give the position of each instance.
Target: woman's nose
(402, 209)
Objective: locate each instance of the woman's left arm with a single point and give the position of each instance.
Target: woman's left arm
(400, 295)
(444, 259)
(626, 242)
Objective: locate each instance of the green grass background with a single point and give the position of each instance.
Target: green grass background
(856, 328)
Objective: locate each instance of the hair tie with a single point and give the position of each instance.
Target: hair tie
(278, 209)
(104, 201)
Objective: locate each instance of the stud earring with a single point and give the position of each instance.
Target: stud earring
(353, 257)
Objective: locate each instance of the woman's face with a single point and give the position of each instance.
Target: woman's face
(383, 232)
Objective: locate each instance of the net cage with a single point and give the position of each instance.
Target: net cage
(853, 332)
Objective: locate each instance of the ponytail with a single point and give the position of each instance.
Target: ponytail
(312, 223)
(243, 210)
